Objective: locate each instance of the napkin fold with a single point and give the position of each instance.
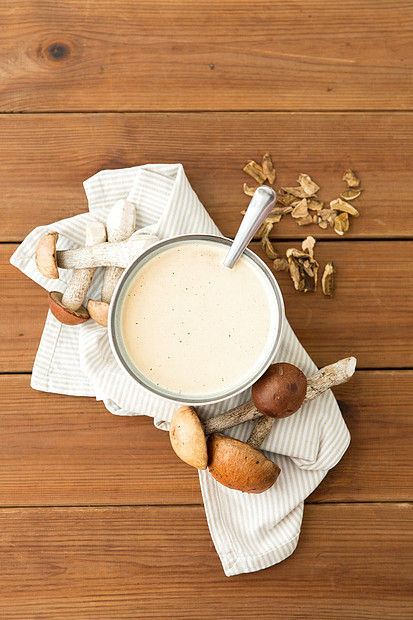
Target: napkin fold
(250, 532)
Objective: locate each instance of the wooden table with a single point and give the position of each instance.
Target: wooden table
(98, 517)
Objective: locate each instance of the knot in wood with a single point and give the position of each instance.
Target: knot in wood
(57, 51)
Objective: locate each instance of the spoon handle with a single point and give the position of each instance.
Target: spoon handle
(262, 203)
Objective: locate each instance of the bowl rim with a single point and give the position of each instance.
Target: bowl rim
(179, 398)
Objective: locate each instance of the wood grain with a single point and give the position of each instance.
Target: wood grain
(227, 55)
(376, 407)
(323, 87)
(45, 158)
(62, 450)
(353, 561)
(369, 317)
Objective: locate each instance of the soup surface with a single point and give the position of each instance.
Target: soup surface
(194, 327)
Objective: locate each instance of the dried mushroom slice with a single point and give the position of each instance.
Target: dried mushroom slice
(351, 178)
(303, 270)
(280, 264)
(351, 194)
(300, 210)
(341, 205)
(328, 280)
(307, 184)
(268, 168)
(268, 248)
(325, 214)
(266, 244)
(265, 229)
(315, 204)
(249, 191)
(285, 198)
(323, 224)
(341, 223)
(331, 218)
(295, 274)
(297, 192)
(304, 221)
(255, 171)
(274, 219)
(308, 245)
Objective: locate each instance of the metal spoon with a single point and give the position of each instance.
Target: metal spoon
(262, 203)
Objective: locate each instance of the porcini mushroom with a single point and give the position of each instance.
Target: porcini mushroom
(187, 437)
(239, 466)
(98, 311)
(67, 307)
(46, 256)
(319, 382)
(120, 224)
(101, 255)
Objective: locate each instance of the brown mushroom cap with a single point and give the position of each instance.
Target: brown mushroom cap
(238, 466)
(46, 255)
(280, 391)
(187, 437)
(98, 311)
(63, 314)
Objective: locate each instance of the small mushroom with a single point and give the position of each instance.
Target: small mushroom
(319, 382)
(280, 391)
(187, 437)
(239, 466)
(67, 307)
(46, 256)
(120, 224)
(98, 311)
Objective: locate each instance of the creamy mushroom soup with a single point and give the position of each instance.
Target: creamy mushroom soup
(192, 326)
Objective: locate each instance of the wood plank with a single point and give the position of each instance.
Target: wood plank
(377, 408)
(45, 158)
(369, 317)
(66, 450)
(306, 55)
(353, 561)
(61, 450)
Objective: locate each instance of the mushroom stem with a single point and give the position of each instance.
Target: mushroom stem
(120, 225)
(319, 382)
(261, 429)
(102, 255)
(76, 290)
(329, 376)
(233, 417)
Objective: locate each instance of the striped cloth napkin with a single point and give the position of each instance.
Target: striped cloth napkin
(250, 532)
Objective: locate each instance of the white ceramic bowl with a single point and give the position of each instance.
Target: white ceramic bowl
(119, 349)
